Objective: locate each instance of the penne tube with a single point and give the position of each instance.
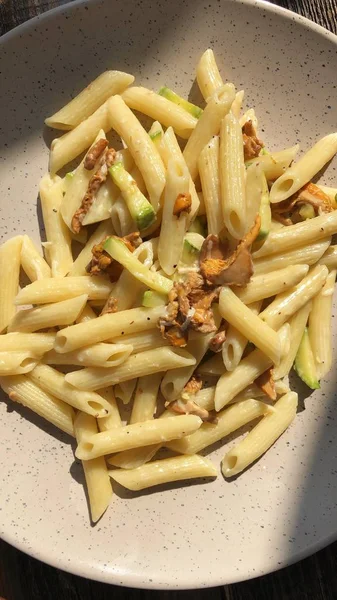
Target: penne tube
(250, 325)
(136, 435)
(174, 226)
(152, 279)
(175, 380)
(208, 125)
(124, 391)
(269, 284)
(297, 326)
(232, 177)
(287, 304)
(127, 289)
(17, 363)
(228, 420)
(53, 382)
(141, 147)
(208, 167)
(37, 343)
(95, 470)
(51, 315)
(78, 185)
(135, 457)
(320, 326)
(162, 471)
(237, 104)
(137, 365)
(122, 222)
(79, 265)
(70, 145)
(10, 253)
(33, 264)
(145, 401)
(235, 343)
(249, 115)
(113, 419)
(307, 255)
(300, 173)
(213, 366)
(98, 355)
(264, 434)
(45, 291)
(108, 326)
(87, 314)
(144, 340)
(275, 164)
(169, 150)
(208, 76)
(232, 383)
(329, 258)
(160, 109)
(58, 236)
(21, 389)
(90, 99)
(300, 234)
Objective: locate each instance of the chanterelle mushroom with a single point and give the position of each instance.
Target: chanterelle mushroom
(251, 144)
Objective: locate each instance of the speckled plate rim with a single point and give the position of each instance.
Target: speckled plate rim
(133, 580)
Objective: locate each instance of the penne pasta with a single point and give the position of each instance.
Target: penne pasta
(124, 391)
(320, 332)
(237, 104)
(108, 326)
(137, 365)
(44, 291)
(21, 389)
(138, 434)
(304, 255)
(329, 258)
(113, 419)
(250, 325)
(297, 326)
(264, 434)
(304, 170)
(17, 363)
(162, 471)
(208, 167)
(295, 236)
(208, 76)
(141, 147)
(135, 457)
(272, 283)
(53, 382)
(235, 343)
(58, 236)
(160, 109)
(228, 420)
(51, 315)
(98, 355)
(169, 150)
(70, 145)
(79, 265)
(232, 177)
(174, 223)
(90, 99)
(33, 264)
(145, 402)
(144, 340)
(38, 343)
(10, 253)
(275, 164)
(232, 383)
(95, 470)
(288, 303)
(208, 125)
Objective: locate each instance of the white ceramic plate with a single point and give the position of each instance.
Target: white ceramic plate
(285, 506)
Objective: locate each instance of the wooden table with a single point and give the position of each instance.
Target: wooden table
(24, 578)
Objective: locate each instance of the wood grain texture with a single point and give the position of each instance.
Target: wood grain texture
(24, 578)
